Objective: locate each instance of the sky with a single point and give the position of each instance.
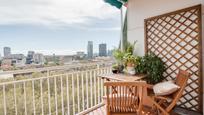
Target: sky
(62, 27)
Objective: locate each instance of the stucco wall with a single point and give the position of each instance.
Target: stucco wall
(138, 10)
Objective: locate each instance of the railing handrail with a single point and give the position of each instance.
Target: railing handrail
(48, 68)
(67, 93)
(91, 109)
(39, 78)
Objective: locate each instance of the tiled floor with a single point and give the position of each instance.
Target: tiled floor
(178, 111)
(182, 111)
(99, 111)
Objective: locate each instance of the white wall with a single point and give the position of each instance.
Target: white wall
(138, 10)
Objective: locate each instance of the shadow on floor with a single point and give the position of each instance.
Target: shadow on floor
(181, 111)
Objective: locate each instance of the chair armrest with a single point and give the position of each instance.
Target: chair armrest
(161, 97)
(158, 106)
(149, 90)
(169, 97)
(149, 86)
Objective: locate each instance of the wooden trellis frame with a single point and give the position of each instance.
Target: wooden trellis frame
(177, 39)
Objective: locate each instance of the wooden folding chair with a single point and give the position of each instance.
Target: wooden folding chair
(165, 104)
(124, 98)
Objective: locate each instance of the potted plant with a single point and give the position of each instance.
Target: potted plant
(115, 68)
(129, 47)
(151, 65)
(118, 55)
(130, 63)
(125, 57)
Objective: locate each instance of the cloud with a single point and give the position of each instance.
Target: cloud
(54, 12)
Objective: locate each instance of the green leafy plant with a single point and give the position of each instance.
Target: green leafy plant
(141, 65)
(115, 66)
(130, 60)
(125, 57)
(129, 47)
(118, 55)
(151, 65)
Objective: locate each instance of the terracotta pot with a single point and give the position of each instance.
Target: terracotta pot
(130, 65)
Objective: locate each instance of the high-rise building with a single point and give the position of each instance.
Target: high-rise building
(16, 56)
(39, 58)
(17, 60)
(80, 54)
(90, 50)
(30, 56)
(7, 51)
(102, 49)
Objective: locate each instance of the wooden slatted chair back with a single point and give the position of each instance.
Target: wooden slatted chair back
(124, 97)
(181, 80)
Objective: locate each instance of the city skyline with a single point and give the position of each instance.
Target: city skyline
(55, 47)
(97, 51)
(60, 30)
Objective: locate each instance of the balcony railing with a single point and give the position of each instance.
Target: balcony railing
(65, 94)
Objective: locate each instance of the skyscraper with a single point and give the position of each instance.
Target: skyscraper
(90, 50)
(30, 57)
(38, 58)
(7, 51)
(102, 49)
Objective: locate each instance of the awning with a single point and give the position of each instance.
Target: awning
(119, 4)
(116, 3)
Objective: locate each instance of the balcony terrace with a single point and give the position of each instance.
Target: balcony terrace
(171, 29)
(78, 92)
